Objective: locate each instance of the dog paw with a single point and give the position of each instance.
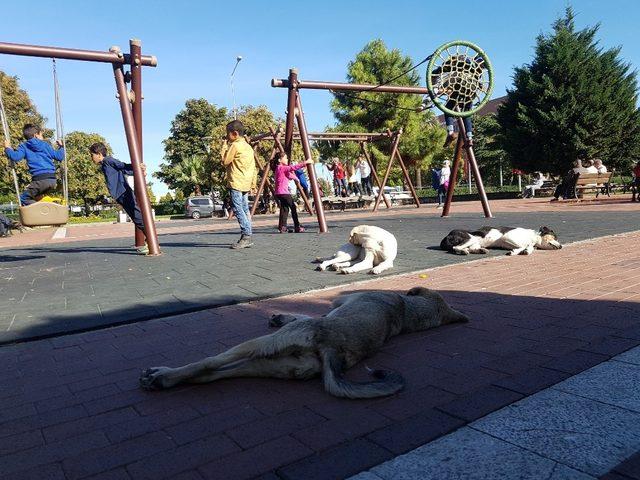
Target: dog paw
(345, 271)
(320, 268)
(317, 260)
(511, 252)
(154, 378)
(461, 252)
(483, 251)
(278, 320)
(377, 271)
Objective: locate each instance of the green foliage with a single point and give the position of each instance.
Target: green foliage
(421, 139)
(573, 100)
(191, 133)
(20, 110)
(487, 146)
(86, 181)
(166, 198)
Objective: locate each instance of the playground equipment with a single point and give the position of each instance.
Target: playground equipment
(130, 107)
(47, 210)
(362, 138)
(459, 82)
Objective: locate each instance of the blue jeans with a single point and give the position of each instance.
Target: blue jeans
(451, 121)
(240, 206)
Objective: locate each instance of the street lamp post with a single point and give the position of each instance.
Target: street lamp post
(233, 93)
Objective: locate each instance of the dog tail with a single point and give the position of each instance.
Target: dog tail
(385, 383)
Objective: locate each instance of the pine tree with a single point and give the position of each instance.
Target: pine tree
(574, 100)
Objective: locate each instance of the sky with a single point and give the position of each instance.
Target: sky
(196, 43)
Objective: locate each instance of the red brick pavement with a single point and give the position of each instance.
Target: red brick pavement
(75, 233)
(70, 407)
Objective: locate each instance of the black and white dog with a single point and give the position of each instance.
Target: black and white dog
(515, 239)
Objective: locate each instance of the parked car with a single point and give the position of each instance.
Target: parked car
(201, 206)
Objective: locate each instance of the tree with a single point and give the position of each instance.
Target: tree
(573, 100)
(166, 198)
(86, 181)
(150, 194)
(488, 148)
(190, 175)
(191, 133)
(375, 111)
(20, 110)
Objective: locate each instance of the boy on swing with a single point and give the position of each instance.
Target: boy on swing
(115, 173)
(40, 156)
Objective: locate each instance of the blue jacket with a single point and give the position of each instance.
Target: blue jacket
(114, 172)
(39, 154)
(302, 179)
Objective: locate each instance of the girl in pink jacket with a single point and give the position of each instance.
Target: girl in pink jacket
(282, 173)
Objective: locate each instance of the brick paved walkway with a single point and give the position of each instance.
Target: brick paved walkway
(71, 407)
(69, 285)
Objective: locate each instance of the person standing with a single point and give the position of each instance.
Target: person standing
(238, 159)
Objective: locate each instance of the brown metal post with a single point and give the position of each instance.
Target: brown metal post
(134, 150)
(394, 150)
(453, 178)
(135, 48)
(72, 54)
(408, 178)
(373, 172)
(311, 171)
(263, 181)
(476, 171)
(292, 102)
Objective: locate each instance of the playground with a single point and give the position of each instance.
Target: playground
(536, 378)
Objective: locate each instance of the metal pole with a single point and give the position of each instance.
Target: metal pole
(453, 178)
(374, 173)
(407, 177)
(233, 93)
(394, 150)
(476, 171)
(60, 133)
(311, 171)
(501, 180)
(292, 97)
(134, 150)
(73, 54)
(468, 173)
(346, 87)
(135, 48)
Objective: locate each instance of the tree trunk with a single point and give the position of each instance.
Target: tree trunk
(418, 177)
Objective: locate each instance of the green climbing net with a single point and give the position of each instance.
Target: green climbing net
(459, 78)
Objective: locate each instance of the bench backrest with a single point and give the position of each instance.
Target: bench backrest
(593, 178)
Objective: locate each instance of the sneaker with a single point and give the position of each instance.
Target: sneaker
(283, 230)
(244, 242)
(439, 207)
(451, 137)
(554, 199)
(300, 229)
(143, 250)
(469, 142)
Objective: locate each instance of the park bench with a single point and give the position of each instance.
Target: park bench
(344, 203)
(598, 182)
(547, 188)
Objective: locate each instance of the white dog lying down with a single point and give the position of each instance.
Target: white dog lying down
(517, 240)
(369, 248)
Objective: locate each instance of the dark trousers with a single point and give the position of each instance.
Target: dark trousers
(5, 225)
(286, 203)
(128, 202)
(564, 189)
(367, 188)
(40, 184)
(355, 188)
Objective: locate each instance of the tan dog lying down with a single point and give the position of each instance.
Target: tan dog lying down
(357, 326)
(369, 248)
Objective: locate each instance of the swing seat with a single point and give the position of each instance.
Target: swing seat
(43, 213)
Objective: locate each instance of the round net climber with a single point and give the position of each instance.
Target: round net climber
(459, 78)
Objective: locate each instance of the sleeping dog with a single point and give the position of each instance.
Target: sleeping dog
(369, 248)
(515, 239)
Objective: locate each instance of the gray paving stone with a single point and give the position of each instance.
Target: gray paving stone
(65, 283)
(469, 454)
(630, 356)
(614, 383)
(581, 433)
